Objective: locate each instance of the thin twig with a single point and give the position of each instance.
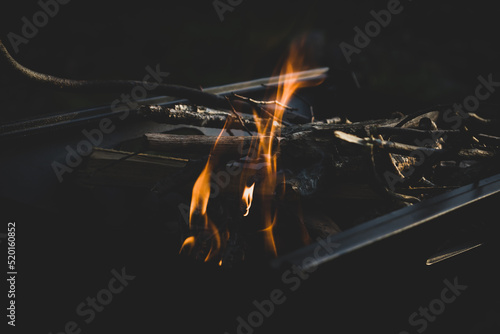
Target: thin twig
(98, 86)
(239, 118)
(276, 119)
(115, 162)
(244, 98)
(409, 150)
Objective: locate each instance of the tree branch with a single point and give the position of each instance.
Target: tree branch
(98, 86)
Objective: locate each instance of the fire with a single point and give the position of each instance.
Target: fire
(189, 242)
(201, 194)
(247, 198)
(268, 129)
(264, 148)
(199, 203)
(289, 79)
(216, 241)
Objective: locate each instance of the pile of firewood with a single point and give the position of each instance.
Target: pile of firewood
(334, 174)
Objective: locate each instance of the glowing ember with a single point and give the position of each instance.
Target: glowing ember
(247, 198)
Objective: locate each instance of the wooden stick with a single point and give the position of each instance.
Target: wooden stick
(99, 86)
(408, 133)
(200, 144)
(409, 150)
(205, 118)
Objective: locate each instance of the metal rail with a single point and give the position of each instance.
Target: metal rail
(391, 224)
(55, 122)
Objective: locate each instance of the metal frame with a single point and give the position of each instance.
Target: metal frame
(55, 122)
(391, 224)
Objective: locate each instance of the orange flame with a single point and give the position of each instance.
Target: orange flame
(201, 188)
(201, 193)
(269, 129)
(247, 198)
(199, 203)
(216, 242)
(189, 242)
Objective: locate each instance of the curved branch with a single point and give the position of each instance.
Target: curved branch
(98, 86)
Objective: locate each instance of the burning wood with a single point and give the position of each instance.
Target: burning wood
(378, 164)
(296, 179)
(210, 118)
(263, 146)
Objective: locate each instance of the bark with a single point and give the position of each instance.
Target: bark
(199, 144)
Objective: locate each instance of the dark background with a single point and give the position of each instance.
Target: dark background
(430, 53)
